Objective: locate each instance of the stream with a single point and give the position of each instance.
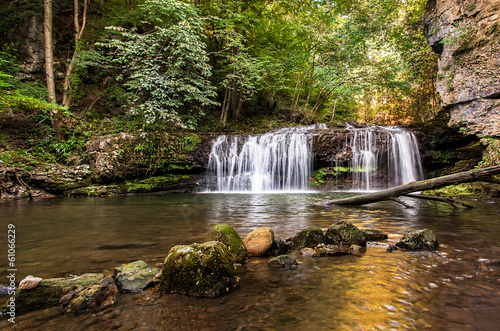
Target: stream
(454, 288)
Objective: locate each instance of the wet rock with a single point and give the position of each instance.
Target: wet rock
(202, 270)
(331, 250)
(135, 276)
(91, 298)
(49, 291)
(279, 247)
(309, 238)
(307, 251)
(374, 235)
(29, 283)
(282, 261)
(344, 233)
(228, 236)
(259, 241)
(423, 239)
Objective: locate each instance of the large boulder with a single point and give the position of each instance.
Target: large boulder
(259, 241)
(228, 236)
(91, 298)
(310, 237)
(423, 239)
(134, 276)
(49, 291)
(201, 270)
(343, 233)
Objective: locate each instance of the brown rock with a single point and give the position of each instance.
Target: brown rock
(259, 241)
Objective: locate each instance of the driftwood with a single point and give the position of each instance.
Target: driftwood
(476, 175)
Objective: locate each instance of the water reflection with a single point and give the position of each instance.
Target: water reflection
(448, 289)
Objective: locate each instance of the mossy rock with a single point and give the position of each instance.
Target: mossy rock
(227, 235)
(279, 247)
(91, 298)
(344, 233)
(310, 237)
(282, 261)
(374, 235)
(201, 270)
(51, 290)
(134, 276)
(423, 239)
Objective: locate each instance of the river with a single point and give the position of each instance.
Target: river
(454, 288)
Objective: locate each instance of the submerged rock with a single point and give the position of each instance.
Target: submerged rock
(310, 237)
(344, 233)
(374, 235)
(279, 247)
(50, 291)
(202, 270)
(259, 241)
(91, 298)
(423, 239)
(228, 236)
(282, 261)
(135, 276)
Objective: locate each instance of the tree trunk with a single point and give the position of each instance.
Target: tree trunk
(476, 175)
(49, 67)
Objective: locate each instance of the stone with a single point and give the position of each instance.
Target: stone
(307, 251)
(310, 237)
(374, 235)
(29, 283)
(423, 239)
(228, 236)
(49, 291)
(91, 298)
(259, 241)
(279, 247)
(331, 250)
(134, 276)
(282, 261)
(200, 270)
(343, 233)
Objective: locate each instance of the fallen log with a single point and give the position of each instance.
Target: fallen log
(476, 175)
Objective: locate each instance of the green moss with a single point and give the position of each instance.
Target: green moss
(154, 184)
(228, 236)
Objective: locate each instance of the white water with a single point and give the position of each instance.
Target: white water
(281, 160)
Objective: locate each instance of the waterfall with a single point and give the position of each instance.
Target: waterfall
(282, 160)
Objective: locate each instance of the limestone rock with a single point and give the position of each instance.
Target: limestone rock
(423, 239)
(202, 270)
(259, 241)
(282, 261)
(91, 298)
(309, 238)
(344, 233)
(228, 236)
(134, 276)
(29, 283)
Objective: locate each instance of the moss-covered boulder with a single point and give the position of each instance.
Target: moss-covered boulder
(282, 261)
(343, 233)
(50, 291)
(227, 235)
(374, 235)
(310, 237)
(259, 241)
(201, 270)
(91, 298)
(423, 239)
(134, 276)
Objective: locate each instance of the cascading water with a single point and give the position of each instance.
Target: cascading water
(281, 160)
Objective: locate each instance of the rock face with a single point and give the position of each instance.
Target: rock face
(344, 233)
(135, 276)
(259, 241)
(423, 239)
(467, 35)
(228, 236)
(201, 270)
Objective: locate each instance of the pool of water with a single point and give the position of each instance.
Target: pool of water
(454, 288)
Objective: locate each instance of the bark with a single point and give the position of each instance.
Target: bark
(476, 175)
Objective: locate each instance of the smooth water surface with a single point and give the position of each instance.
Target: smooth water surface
(454, 288)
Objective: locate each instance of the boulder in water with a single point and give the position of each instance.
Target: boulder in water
(228, 236)
(91, 298)
(135, 276)
(343, 233)
(310, 237)
(201, 270)
(279, 247)
(374, 235)
(423, 239)
(282, 261)
(259, 241)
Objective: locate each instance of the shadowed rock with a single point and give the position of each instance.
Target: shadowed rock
(423, 239)
(135, 276)
(309, 238)
(344, 233)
